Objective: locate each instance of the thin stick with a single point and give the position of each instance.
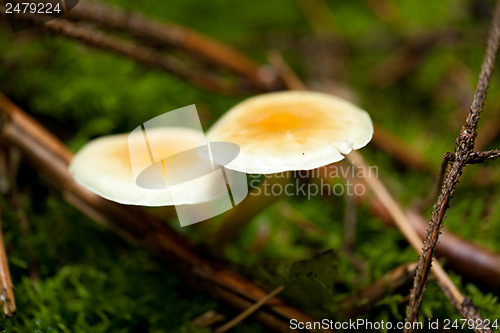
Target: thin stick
(406, 58)
(298, 218)
(291, 79)
(208, 318)
(463, 149)
(401, 220)
(140, 53)
(479, 156)
(239, 318)
(7, 291)
(261, 315)
(173, 34)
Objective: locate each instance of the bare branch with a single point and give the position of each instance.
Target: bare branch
(173, 34)
(464, 146)
(476, 157)
(139, 53)
(7, 287)
(150, 57)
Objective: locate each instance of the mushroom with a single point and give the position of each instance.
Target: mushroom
(281, 132)
(292, 130)
(162, 166)
(104, 166)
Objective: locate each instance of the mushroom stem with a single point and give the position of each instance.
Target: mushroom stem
(237, 218)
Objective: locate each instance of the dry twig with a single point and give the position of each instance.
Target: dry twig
(179, 36)
(463, 150)
(172, 34)
(474, 157)
(7, 292)
(248, 312)
(208, 319)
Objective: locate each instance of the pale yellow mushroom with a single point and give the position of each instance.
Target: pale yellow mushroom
(281, 132)
(292, 130)
(104, 166)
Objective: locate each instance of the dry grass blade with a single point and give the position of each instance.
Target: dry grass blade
(248, 312)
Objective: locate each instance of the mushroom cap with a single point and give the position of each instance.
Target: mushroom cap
(292, 130)
(104, 166)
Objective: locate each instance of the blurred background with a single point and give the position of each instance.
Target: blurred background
(411, 64)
